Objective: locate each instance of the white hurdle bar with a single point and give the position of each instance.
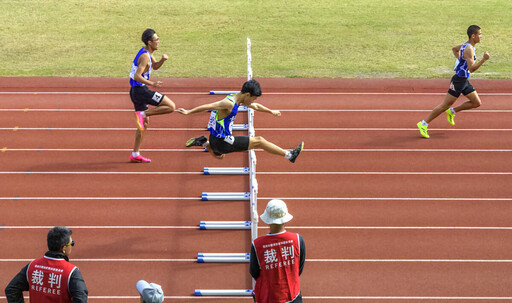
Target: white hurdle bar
(237, 127)
(207, 225)
(226, 170)
(205, 196)
(223, 292)
(223, 92)
(223, 257)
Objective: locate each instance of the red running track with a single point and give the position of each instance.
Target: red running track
(387, 215)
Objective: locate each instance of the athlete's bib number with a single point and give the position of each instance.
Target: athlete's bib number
(229, 139)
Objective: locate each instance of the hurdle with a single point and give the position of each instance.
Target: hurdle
(226, 170)
(239, 127)
(225, 196)
(205, 225)
(223, 292)
(245, 196)
(223, 92)
(223, 257)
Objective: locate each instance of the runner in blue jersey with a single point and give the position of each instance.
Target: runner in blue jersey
(220, 125)
(464, 66)
(141, 95)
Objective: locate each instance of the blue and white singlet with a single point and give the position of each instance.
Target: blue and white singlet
(461, 65)
(224, 127)
(135, 66)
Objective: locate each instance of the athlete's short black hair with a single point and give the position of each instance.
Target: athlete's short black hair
(252, 87)
(472, 30)
(147, 35)
(58, 237)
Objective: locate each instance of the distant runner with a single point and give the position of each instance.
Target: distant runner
(223, 114)
(464, 66)
(141, 95)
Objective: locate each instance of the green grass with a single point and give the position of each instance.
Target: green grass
(301, 38)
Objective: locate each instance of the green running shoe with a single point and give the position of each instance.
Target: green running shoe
(423, 130)
(450, 117)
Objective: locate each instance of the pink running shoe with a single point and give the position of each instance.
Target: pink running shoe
(139, 159)
(140, 120)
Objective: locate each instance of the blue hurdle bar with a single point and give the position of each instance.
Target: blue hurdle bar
(225, 196)
(223, 292)
(223, 92)
(204, 225)
(223, 257)
(226, 170)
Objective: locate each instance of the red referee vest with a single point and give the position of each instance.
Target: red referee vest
(278, 257)
(48, 280)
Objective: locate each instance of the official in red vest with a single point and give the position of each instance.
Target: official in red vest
(277, 259)
(50, 279)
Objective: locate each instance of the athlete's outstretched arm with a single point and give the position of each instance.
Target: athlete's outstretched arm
(219, 105)
(261, 108)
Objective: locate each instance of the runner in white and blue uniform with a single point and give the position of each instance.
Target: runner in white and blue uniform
(141, 95)
(220, 125)
(464, 66)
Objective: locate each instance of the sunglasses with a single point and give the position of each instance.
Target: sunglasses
(72, 243)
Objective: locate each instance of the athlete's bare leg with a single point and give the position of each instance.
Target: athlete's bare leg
(139, 135)
(210, 150)
(165, 107)
(260, 142)
(448, 101)
(473, 102)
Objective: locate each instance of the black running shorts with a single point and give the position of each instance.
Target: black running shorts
(459, 86)
(229, 144)
(142, 96)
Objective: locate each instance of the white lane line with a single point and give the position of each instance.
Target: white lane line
(256, 128)
(258, 150)
(412, 260)
(402, 298)
(29, 172)
(110, 260)
(15, 198)
(305, 297)
(282, 110)
(307, 260)
(266, 93)
(103, 227)
(385, 199)
(288, 227)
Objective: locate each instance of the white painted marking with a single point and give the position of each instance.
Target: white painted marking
(259, 129)
(258, 150)
(288, 227)
(259, 173)
(282, 110)
(305, 297)
(307, 260)
(266, 93)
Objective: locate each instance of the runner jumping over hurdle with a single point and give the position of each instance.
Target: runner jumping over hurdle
(220, 125)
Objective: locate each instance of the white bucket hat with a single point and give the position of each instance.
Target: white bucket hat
(276, 213)
(150, 292)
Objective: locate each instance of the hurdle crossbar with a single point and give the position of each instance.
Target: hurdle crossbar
(226, 170)
(226, 259)
(238, 127)
(223, 92)
(223, 292)
(212, 225)
(225, 196)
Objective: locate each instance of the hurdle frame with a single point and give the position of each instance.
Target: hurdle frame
(252, 196)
